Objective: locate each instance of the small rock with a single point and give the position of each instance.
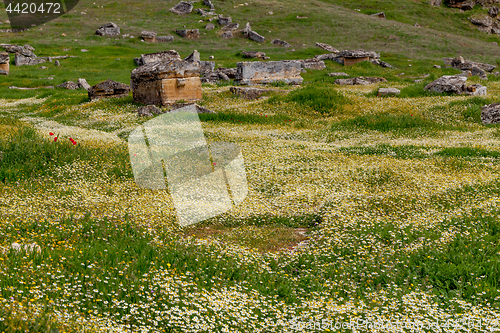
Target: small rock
(210, 26)
(84, 50)
(494, 11)
(280, 43)
(436, 3)
(227, 34)
(108, 88)
(253, 54)
(490, 114)
(211, 57)
(225, 20)
(388, 92)
(379, 15)
(69, 85)
(362, 80)
(256, 37)
(57, 63)
(231, 27)
(248, 92)
(416, 25)
(63, 35)
(182, 8)
(193, 57)
(189, 33)
(83, 84)
(337, 74)
(148, 111)
(476, 90)
(437, 66)
(109, 30)
(454, 84)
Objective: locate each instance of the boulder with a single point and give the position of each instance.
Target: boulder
(138, 61)
(448, 83)
(182, 8)
(464, 5)
(109, 30)
(337, 74)
(490, 114)
(231, 27)
(148, 111)
(259, 72)
(327, 47)
(108, 88)
(149, 36)
(69, 85)
(160, 56)
(189, 33)
(476, 71)
(210, 26)
(20, 60)
(163, 83)
(256, 37)
(247, 29)
(225, 20)
(280, 42)
(193, 57)
(248, 92)
(57, 63)
(388, 92)
(462, 64)
(164, 39)
(313, 64)
(436, 3)
(254, 54)
(227, 34)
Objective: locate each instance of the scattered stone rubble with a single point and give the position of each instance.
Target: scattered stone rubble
(157, 56)
(163, 83)
(189, 33)
(280, 43)
(108, 88)
(259, 72)
(327, 47)
(254, 54)
(352, 57)
(313, 64)
(362, 80)
(109, 30)
(70, 85)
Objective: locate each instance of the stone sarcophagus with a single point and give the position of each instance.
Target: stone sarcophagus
(261, 72)
(163, 83)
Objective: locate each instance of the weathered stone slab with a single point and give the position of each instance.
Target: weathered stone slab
(209, 4)
(160, 56)
(70, 85)
(330, 56)
(247, 29)
(109, 30)
(26, 50)
(149, 36)
(193, 57)
(362, 80)
(453, 84)
(227, 34)
(490, 114)
(4, 62)
(210, 26)
(3, 71)
(225, 20)
(337, 74)
(163, 83)
(108, 88)
(281, 43)
(188, 33)
(20, 60)
(388, 92)
(462, 64)
(313, 64)
(359, 54)
(256, 37)
(84, 84)
(381, 63)
(327, 47)
(164, 39)
(260, 72)
(436, 3)
(206, 67)
(182, 8)
(231, 27)
(379, 15)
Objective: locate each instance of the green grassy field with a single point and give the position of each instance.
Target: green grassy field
(395, 200)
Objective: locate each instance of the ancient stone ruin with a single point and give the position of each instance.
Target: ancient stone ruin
(108, 88)
(470, 67)
(352, 57)
(362, 80)
(4, 63)
(163, 83)
(280, 42)
(249, 93)
(388, 92)
(109, 30)
(159, 56)
(254, 54)
(149, 36)
(327, 47)
(231, 27)
(313, 64)
(70, 85)
(259, 72)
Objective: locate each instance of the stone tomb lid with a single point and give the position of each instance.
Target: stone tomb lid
(359, 54)
(166, 70)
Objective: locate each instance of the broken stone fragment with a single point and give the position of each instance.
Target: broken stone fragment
(227, 34)
(210, 26)
(209, 4)
(84, 84)
(249, 92)
(148, 111)
(388, 92)
(379, 15)
(225, 20)
(337, 74)
(490, 114)
(436, 3)
(193, 57)
(247, 29)
(476, 90)
(4, 62)
(182, 8)
(327, 47)
(164, 39)
(20, 60)
(256, 37)
(494, 11)
(188, 33)
(362, 80)
(108, 88)
(254, 54)
(280, 43)
(381, 63)
(69, 85)
(313, 64)
(109, 30)
(231, 27)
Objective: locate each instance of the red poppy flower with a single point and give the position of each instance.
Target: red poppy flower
(51, 133)
(55, 139)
